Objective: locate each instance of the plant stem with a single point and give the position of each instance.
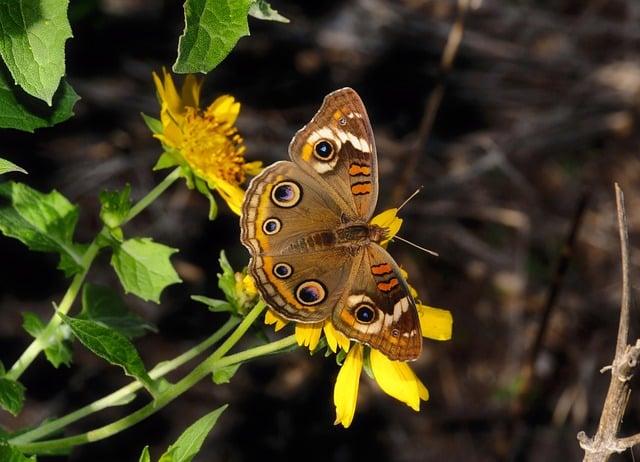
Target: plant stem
(205, 368)
(123, 394)
(42, 340)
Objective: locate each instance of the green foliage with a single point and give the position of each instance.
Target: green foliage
(189, 443)
(212, 29)
(111, 346)
(56, 345)
(262, 10)
(115, 206)
(43, 222)
(104, 306)
(203, 188)
(6, 167)
(10, 454)
(145, 456)
(23, 114)
(155, 125)
(144, 267)
(32, 43)
(227, 281)
(214, 305)
(224, 374)
(11, 394)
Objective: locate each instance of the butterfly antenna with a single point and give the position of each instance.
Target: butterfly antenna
(410, 197)
(431, 252)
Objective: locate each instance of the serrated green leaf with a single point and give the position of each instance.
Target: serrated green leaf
(144, 267)
(155, 125)
(166, 160)
(213, 304)
(224, 374)
(111, 346)
(32, 42)
(56, 346)
(212, 29)
(22, 112)
(43, 222)
(115, 206)
(145, 456)
(105, 306)
(9, 453)
(261, 9)
(189, 443)
(7, 167)
(11, 396)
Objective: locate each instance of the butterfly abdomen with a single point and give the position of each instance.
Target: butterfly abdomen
(321, 240)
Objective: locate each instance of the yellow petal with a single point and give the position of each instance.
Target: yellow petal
(253, 168)
(345, 392)
(224, 109)
(249, 285)
(405, 276)
(232, 194)
(308, 334)
(273, 318)
(398, 380)
(388, 219)
(170, 96)
(335, 338)
(435, 323)
(191, 90)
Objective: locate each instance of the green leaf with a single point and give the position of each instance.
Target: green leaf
(144, 267)
(227, 280)
(22, 112)
(10, 454)
(57, 349)
(145, 456)
(115, 206)
(155, 125)
(212, 28)
(262, 10)
(105, 306)
(166, 160)
(213, 304)
(32, 42)
(44, 222)
(189, 443)
(224, 374)
(111, 346)
(6, 167)
(203, 188)
(11, 396)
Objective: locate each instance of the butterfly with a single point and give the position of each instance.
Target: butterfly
(314, 253)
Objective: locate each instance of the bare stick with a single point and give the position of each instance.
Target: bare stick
(605, 442)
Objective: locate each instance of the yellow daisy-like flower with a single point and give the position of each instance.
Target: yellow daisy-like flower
(205, 140)
(393, 377)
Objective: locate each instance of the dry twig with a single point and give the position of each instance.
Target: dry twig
(605, 442)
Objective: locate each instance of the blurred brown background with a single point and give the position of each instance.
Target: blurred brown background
(539, 115)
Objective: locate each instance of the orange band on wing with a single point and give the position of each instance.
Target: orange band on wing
(388, 285)
(357, 169)
(363, 187)
(381, 269)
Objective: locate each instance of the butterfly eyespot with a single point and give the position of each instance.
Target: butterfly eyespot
(395, 333)
(310, 292)
(323, 150)
(271, 226)
(282, 270)
(365, 314)
(342, 121)
(286, 194)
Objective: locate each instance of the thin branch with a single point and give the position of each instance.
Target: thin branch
(605, 442)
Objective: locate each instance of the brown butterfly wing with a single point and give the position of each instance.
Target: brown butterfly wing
(378, 308)
(347, 167)
(290, 241)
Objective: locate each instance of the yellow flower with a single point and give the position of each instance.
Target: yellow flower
(204, 140)
(393, 377)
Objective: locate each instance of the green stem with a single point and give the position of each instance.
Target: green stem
(205, 368)
(42, 340)
(123, 394)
